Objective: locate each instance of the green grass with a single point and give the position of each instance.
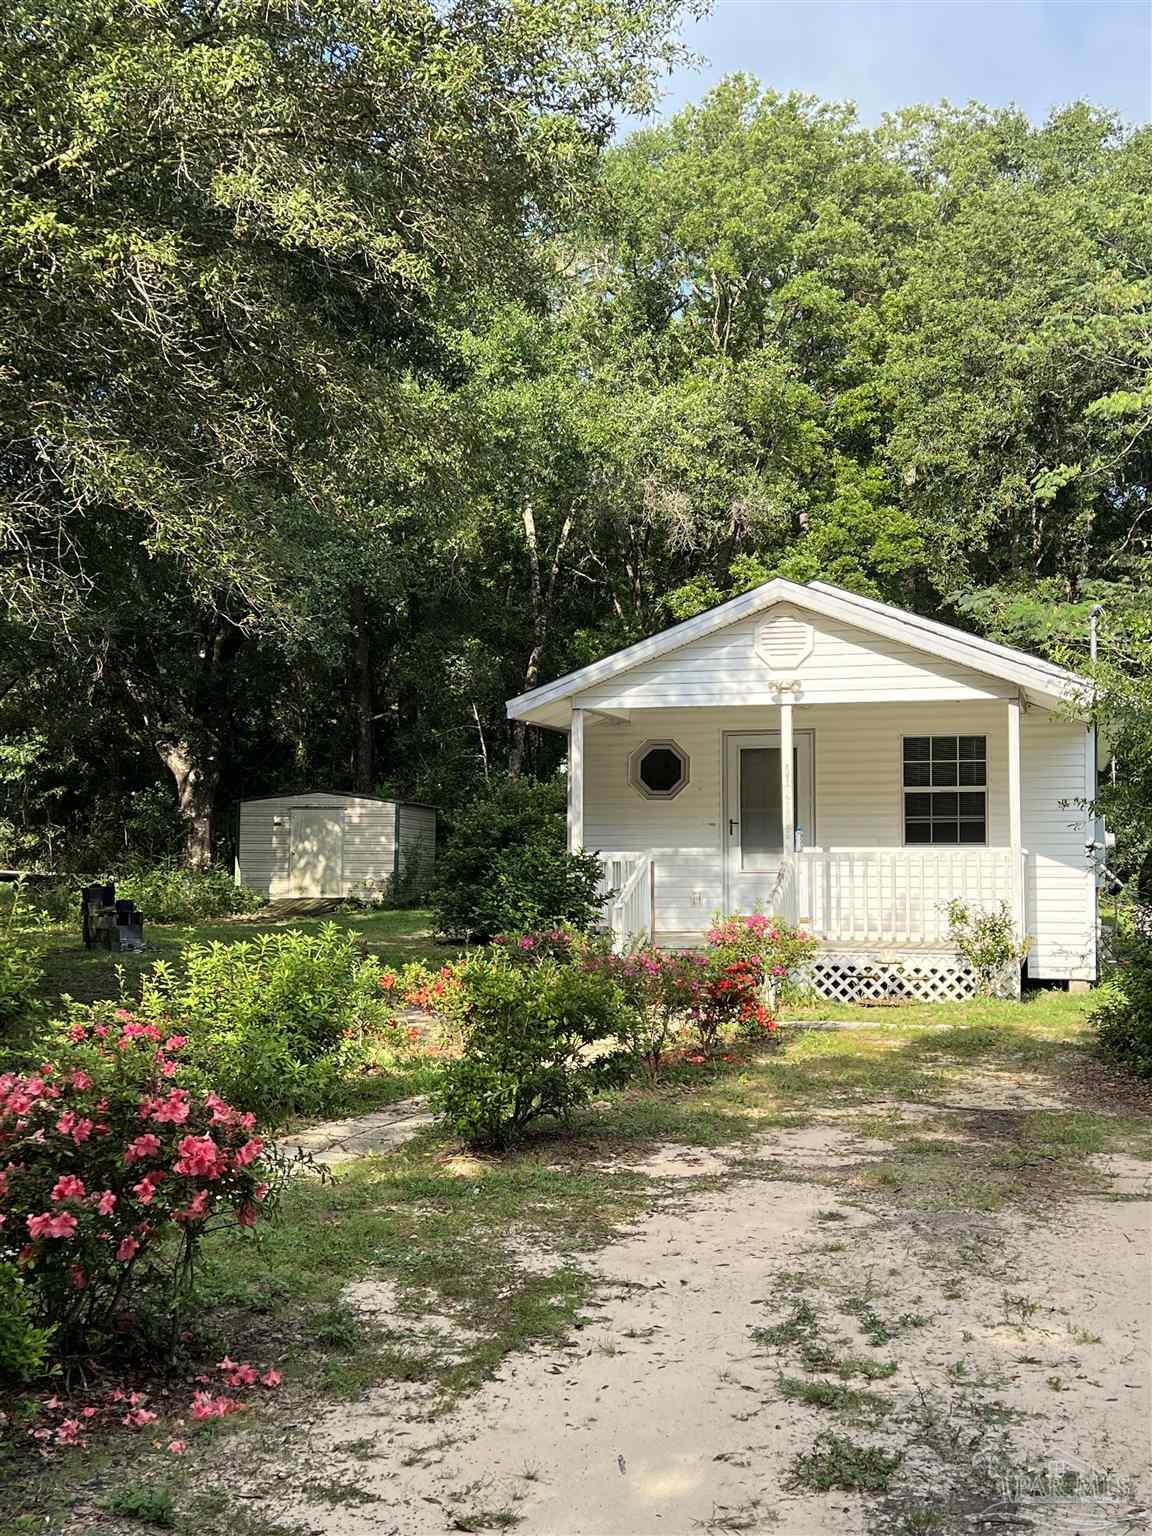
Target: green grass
(87, 974)
(1044, 1007)
(854, 1405)
(144, 1502)
(406, 1220)
(838, 1462)
(823, 1360)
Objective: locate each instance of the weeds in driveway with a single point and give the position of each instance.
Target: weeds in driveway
(1019, 1310)
(801, 1325)
(750, 1516)
(502, 1519)
(879, 1330)
(148, 1503)
(822, 1360)
(854, 1404)
(835, 1461)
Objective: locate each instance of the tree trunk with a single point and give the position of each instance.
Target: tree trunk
(543, 590)
(365, 773)
(197, 775)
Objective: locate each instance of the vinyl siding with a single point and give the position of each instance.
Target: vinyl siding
(417, 825)
(858, 803)
(845, 665)
(264, 848)
(1057, 765)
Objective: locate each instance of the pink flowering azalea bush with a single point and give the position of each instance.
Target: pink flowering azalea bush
(727, 989)
(115, 1160)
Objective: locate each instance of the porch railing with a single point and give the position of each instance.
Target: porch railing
(874, 896)
(630, 913)
(853, 896)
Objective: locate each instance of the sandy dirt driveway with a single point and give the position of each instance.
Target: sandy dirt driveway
(775, 1347)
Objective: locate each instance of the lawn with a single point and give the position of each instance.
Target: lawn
(466, 1261)
(426, 1269)
(70, 969)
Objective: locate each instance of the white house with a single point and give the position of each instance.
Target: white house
(804, 751)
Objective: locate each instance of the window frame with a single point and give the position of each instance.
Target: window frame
(641, 752)
(938, 789)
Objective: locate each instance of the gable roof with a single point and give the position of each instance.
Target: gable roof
(1041, 680)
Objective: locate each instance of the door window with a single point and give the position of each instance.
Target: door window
(761, 820)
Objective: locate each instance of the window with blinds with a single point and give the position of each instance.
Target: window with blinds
(945, 793)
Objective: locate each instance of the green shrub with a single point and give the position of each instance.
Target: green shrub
(1123, 1015)
(168, 894)
(165, 893)
(24, 1347)
(144, 1502)
(990, 944)
(274, 1022)
(506, 866)
(528, 1034)
(538, 886)
(20, 969)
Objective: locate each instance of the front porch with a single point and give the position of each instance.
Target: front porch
(812, 753)
(816, 815)
(878, 914)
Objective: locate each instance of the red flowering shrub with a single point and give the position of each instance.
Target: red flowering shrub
(114, 1161)
(662, 994)
(776, 947)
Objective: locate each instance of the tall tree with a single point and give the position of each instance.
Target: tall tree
(231, 234)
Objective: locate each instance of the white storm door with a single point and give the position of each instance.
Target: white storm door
(317, 853)
(753, 828)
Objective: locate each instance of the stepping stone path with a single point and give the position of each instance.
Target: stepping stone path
(341, 1141)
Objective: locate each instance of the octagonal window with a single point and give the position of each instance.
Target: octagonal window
(659, 769)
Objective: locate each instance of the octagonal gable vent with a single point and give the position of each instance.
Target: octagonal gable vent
(783, 641)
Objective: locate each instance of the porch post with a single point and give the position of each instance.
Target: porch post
(787, 779)
(1015, 815)
(576, 782)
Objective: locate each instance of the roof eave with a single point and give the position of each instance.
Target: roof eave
(1033, 676)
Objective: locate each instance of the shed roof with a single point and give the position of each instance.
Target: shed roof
(338, 794)
(1042, 680)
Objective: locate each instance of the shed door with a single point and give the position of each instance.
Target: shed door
(317, 853)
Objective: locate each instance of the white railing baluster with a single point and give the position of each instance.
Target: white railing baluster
(892, 896)
(632, 915)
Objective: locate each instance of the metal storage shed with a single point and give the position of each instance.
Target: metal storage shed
(322, 844)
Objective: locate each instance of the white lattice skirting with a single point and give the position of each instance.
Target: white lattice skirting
(860, 976)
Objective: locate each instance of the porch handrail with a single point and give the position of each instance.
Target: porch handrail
(632, 916)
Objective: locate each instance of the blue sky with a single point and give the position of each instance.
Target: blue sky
(885, 54)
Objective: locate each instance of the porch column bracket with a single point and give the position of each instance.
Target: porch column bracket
(576, 782)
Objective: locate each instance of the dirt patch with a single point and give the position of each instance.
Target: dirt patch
(404, 1317)
(1018, 1344)
(342, 1141)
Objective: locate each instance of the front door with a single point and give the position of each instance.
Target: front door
(317, 853)
(753, 827)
